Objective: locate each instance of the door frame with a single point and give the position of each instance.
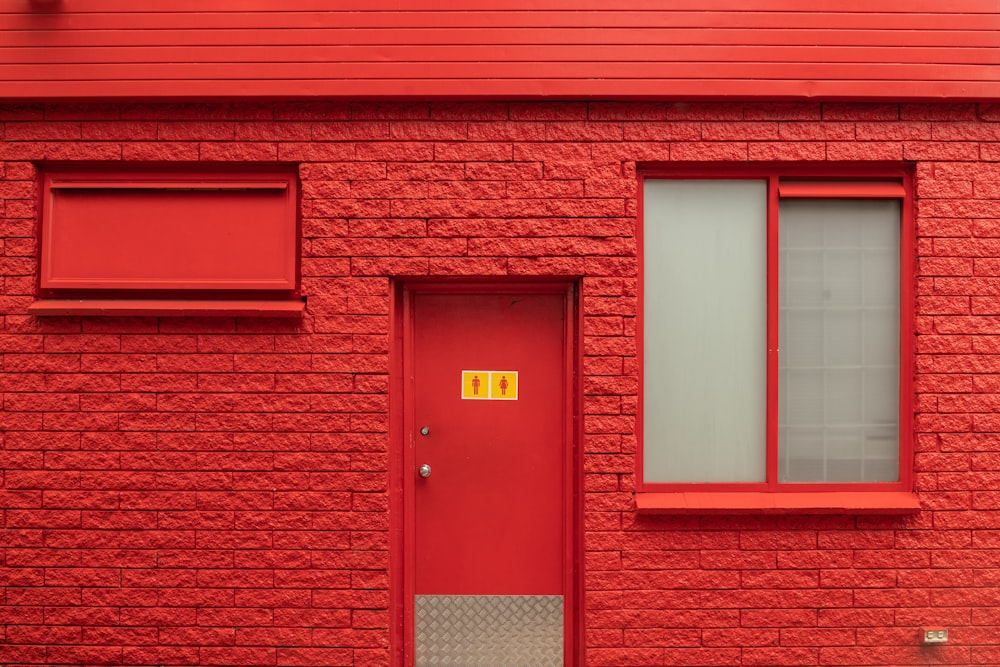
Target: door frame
(401, 455)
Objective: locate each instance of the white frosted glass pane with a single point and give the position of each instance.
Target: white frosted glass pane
(838, 341)
(842, 278)
(844, 455)
(881, 344)
(881, 440)
(843, 344)
(704, 345)
(808, 235)
(799, 458)
(843, 395)
(805, 405)
(881, 470)
(845, 443)
(880, 235)
(881, 385)
(880, 267)
(807, 347)
(847, 234)
(805, 270)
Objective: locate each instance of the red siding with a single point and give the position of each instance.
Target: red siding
(214, 490)
(877, 49)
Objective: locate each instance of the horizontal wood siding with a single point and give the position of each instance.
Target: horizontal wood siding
(695, 49)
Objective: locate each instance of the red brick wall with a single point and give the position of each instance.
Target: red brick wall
(214, 491)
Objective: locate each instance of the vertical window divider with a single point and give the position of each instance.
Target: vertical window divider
(771, 420)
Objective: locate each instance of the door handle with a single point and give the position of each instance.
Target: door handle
(424, 471)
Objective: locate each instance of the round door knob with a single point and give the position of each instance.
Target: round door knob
(424, 471)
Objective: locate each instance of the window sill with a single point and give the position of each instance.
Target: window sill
(790, 502)
(166, 307)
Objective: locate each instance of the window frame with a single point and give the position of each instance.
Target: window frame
(790, 181)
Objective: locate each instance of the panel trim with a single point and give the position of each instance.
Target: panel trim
(158, 307)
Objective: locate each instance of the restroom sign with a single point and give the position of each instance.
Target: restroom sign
(489, 385)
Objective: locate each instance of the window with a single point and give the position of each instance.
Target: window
(168, 242)
(774, 306)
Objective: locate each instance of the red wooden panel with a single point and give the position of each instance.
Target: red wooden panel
(466, 71)
(169, 233)
(661, 17)
(884, 49)
(227, 6)
(43, 60)
(399, 88)
(777, 35)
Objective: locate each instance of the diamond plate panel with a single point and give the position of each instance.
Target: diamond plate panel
(495, 630)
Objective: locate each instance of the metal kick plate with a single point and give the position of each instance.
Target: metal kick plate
(494, 630)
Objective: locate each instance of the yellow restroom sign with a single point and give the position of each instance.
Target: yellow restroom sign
(489, 385)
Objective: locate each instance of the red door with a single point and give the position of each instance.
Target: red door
(489, 432)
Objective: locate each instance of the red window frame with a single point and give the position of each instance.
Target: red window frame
(237, 252)
(786, 182)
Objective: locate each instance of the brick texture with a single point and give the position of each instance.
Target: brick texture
(216, 491)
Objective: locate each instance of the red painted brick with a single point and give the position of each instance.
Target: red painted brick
(941, 151)
(840, 111)
(315, 152)
(238, 152)
(402, 130)
(280, 131)
(901, 131)
(527, 151)
(817, 132)
(752, 131)
(704, 111)
(469, 110)
(198, 111)
(35, 131)
(237, 656)
(868, 151)
(559, 111)
(83, 151)
(787, 151)
(160, 151)
(314, 656)
(506, 131)
(118, 131)
(665, 132)
(646, 111)
(22, 111)
(195, 131)
(300, 110)
(651, 151)
(709, 151)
